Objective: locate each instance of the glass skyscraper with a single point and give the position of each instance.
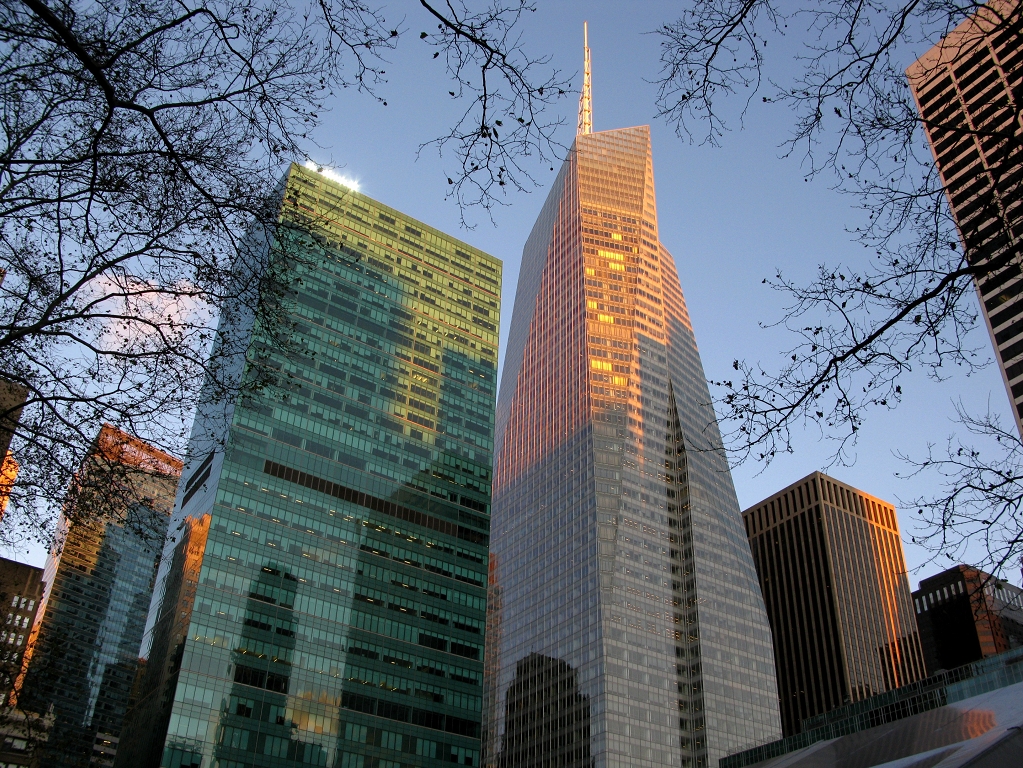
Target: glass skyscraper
(98, 582)
(322, 600)
(628, 625)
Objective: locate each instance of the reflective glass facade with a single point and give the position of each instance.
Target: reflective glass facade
(323, 599)
(627, 626)
(98, 582)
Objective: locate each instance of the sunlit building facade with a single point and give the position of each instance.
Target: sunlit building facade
(631, 627)
(12, 400)
(967, 90)
(323, 600)
(830, 562)
(98, 582)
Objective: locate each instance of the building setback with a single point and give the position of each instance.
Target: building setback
(323, 600)
(966, 615)
(968, 90)
(99, 580)
(632, 631)
(830, 563)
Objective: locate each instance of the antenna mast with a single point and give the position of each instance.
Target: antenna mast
(585, 98)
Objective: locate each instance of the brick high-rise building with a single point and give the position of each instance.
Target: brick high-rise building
(323, 601)
(831, 568)
(966, 615)
(21, 592)
(969, 91)
(629, 606)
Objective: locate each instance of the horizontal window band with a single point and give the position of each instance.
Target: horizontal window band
(382, 506)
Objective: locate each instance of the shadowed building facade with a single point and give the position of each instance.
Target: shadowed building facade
(966, 615)
(622, 569)
(98, 582)
(829, 558)
(21, 592)
(322, 601)
(969, 90)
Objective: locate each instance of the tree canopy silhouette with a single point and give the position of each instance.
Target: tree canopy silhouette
(142, 146)
(859, 328)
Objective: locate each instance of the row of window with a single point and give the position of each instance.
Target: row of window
(23, 603)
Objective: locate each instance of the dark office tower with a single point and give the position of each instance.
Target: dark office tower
(620, 555)
(966, 615)
(325, 600)
(21, 590)
(830, 564)
(98, 583)
(968, 90)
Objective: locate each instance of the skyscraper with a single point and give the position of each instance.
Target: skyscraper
(968, 90)
(632, 630)
(98, 583)
(965, 615)
(323, 598)
(833, 575)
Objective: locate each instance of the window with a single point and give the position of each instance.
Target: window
(14, 602)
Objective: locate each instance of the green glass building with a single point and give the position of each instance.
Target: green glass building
(322, 598)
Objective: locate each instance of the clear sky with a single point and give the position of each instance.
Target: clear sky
(730, 215)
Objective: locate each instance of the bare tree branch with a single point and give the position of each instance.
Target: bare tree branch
(141, 149)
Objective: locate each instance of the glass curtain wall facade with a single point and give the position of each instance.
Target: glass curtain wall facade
(324, 600)
(628, 624)
(833, 575)
(98, 583)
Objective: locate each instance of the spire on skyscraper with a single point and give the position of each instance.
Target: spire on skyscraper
(585, 98)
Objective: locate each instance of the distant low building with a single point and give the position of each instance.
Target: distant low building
(966, 615)
(968, 717)
(830, 563)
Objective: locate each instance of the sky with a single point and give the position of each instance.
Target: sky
(731, 215)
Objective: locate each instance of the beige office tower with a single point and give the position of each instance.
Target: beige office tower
(829, 558)
(968, 89)
(629, 629)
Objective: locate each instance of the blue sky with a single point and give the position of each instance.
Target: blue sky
(731, 216)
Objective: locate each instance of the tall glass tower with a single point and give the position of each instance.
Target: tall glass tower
(631, 629)
(322, 601)
(98, 583)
